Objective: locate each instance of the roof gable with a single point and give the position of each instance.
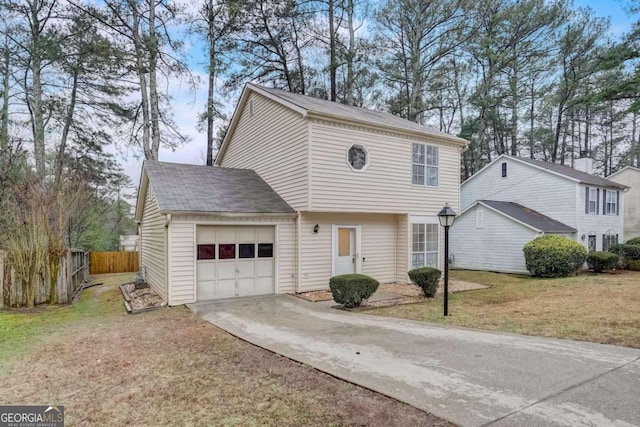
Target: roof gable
(555, 169)
(206, 189)
(307, 106)
(625, 169)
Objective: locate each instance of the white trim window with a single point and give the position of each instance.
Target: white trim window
(611, 205)
(425, 165)
(424, 245)
(593, 200)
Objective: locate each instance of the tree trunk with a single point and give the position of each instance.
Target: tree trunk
(4, 114)
(212, 80)
(152, 52)
(65, 130)
(351, 53)
(141, 71)
(332, 52)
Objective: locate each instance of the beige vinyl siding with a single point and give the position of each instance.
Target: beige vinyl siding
(403, 258)
(153, 244)
(273, 142)
(183, 241)
(630, 209)
(181, 262)
(386, 185)
(378, 234)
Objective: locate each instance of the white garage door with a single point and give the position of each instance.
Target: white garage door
(234, 261)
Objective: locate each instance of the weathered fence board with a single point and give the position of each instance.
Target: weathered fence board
(74, 268)
(114, 262)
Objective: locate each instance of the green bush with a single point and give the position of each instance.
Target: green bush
(600, 261)
(351, 289)
(634, 241)
(427, 278)
(626, 253)
(634, 265)
(554, 256)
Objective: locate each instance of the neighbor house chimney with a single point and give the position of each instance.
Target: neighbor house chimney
(584, 163)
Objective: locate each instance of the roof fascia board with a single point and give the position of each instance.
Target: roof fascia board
(233, 214)
(463, 143)
(142, 191)
(478, 202)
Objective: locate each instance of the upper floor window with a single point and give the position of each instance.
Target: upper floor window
(358, 157)
(504, 169)
(591, 200)
(611, 202)
(425, 165)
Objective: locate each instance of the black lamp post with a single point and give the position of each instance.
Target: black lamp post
(446, 217)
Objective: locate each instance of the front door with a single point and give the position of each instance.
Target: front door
(592, 243)
(345, 250)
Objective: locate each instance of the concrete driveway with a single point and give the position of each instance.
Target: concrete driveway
(469, 377)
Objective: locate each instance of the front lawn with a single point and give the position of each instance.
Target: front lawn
(169, 367)
(602, 308)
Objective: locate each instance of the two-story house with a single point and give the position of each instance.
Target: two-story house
(513, 200)
(630, 176)
(302, 189)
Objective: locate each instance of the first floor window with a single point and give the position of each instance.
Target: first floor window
(424, 245)
(609, 240)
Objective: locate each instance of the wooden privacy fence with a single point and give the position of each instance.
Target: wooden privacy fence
(114, 262)
(74, 268)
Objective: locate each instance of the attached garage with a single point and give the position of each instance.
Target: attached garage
(211, 232)
(234, 261)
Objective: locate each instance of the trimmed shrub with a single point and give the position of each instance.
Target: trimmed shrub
(427, 278)
(634, 265)
(626, 253)
(351, 289)
(554, 256)
(634, 241)
(600, 261)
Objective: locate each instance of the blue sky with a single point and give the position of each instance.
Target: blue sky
(187, 105)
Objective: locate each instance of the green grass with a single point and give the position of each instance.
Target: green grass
(22, 328)
(601, 308)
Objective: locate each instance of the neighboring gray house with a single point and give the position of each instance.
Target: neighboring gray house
(545, 198)
(630, 176)
(489, 235)
(302, 189)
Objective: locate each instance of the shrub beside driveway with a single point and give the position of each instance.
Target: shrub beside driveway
(602, 308)
(169, 367)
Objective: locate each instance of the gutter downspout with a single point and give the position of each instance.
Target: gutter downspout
(296, 286)
(167, 257)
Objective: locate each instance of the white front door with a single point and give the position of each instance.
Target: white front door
(346, 256)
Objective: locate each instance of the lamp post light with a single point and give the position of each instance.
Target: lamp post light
(446, 217)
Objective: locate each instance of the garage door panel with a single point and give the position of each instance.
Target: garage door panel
(206, 270)
(206, 289)
(265, 268)
(226, 270)
(226, 234)
(205, 235)
(246, 234)
(246, 269)
(247, 286)
(225, 288)
(266, 234)
(264, 285)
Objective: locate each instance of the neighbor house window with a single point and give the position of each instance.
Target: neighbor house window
(504, 169)
(424, 245)
(425, 165)
(206, 252)
(592, 200)
(609, 240)
(611, 200)
(358, 157)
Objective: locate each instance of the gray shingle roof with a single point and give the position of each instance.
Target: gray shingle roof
(192, 188)
(583, 177)
(533, 218)
(336, 109)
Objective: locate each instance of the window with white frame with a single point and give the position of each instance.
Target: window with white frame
(424, 245)
(593, 201)
(425, 165)
(612, 200)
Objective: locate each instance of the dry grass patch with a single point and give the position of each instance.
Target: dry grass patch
(169, 367)
(602, 308)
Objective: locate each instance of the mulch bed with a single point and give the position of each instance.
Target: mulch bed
(409, 293)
